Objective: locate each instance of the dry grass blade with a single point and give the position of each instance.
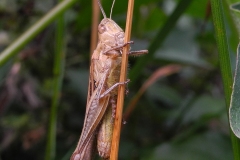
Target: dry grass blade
(95, 22)
(121, 90)
(160, 73)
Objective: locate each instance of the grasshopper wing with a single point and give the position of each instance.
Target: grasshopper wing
(96, 108)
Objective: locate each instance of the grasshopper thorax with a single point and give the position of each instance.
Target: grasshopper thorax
(110, 33)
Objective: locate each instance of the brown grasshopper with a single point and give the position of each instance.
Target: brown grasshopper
(102, 95)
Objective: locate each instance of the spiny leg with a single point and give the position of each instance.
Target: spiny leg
(113, 51)
(137, 53)
(118, 47)
(112, 87)
(114, 105)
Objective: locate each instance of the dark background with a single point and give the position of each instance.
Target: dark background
(180, 116)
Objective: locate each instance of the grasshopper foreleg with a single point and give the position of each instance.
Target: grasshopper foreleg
(113, 51)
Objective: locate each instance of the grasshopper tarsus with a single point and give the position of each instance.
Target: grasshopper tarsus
(126, 91)
(127, 81)
(137, 53)
(130, 42)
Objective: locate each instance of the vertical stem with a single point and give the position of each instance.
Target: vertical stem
(95, 22)
(225, 63)
(58, 70)
(121, 90)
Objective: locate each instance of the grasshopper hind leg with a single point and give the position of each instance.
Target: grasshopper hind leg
(113, 101)
(112, 87)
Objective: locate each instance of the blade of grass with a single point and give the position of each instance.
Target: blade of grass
(158, 40)
(95, 22)
(121, 89)
(58, 71)
(27, 36)
(225, 63)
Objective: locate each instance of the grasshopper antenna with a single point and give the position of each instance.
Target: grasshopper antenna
(104, 15)
(112, 9)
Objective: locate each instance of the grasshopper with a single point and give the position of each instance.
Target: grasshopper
(102, 95)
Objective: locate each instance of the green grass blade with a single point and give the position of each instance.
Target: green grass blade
(58, 71)
(20, 42)
(225, 63)
(159, 39)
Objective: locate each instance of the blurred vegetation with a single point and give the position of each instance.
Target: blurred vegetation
(180, 116)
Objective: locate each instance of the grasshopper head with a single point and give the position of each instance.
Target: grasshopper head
(110, 33)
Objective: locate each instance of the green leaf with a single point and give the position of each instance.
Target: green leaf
(225, 63)
(235, 7)
(164, 93)
(207, 146)
(234, 110)
(204, 106)
(182, 50)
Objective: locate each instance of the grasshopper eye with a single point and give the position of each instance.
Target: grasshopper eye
(101, 28)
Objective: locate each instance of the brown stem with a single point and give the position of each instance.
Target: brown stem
(95, 22)
(121, 90)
